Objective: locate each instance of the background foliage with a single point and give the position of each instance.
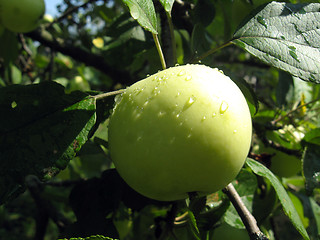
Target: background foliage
(56, 177)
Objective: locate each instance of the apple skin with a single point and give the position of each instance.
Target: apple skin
(226, 232)
(21, 15)
(184, 129)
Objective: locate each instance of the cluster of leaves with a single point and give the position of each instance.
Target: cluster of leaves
(57, 179)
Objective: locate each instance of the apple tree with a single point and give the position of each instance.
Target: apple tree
(141, 119)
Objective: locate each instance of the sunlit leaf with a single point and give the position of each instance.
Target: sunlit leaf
(286, 36)
(284, 199)
(143, 11)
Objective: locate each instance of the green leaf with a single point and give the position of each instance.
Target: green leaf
(41, 130)
(311, 166)
(143, 11)
(284, 199)
(193, 225)
(95, 237)
(285, 36)
(204, 12)
(313, 136)
(167, 4)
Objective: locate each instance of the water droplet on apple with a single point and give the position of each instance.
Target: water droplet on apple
(139, 138)
(161, 113)
(178, 94)
(191, 100)
(138, 115)
(214, 114)
(188, 78)
(181, 73)
(223, 107)
(235, 131)
(146, 103)
(177, 115)
(189, 135)
(203, 118)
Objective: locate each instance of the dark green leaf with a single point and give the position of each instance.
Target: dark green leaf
(249, 94)
(199, 40)
(204, 12)
(143, 11)
(284, 199)
(285, 36)
(311, 166)
(96, 237)
(208, 219)
(284, 88)
(41, 130)
(194, 226)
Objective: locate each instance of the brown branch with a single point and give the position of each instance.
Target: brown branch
(247, 218)
(79, 54)
(68, 12)
(46, 209)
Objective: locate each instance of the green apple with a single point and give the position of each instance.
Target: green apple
(184, 129)
(227, 232)
(21, 15)
(282, 164)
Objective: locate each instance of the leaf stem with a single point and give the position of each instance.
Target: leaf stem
(157, 42)
(247, 218)
(211, 51)
(107, 94)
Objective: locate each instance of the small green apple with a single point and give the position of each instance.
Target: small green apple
(227, 232)
(282, 164)
(21, 15)
(184, 129)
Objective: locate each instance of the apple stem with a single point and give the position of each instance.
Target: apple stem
(211, 51)
(108, 94)
(157, 42)
(247, 218)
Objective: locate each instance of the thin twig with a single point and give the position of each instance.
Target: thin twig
(24, 45)
(293, 110)
(79, 54)
(211, 51)
(247, 218)
(108, 94)
(68, 12)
